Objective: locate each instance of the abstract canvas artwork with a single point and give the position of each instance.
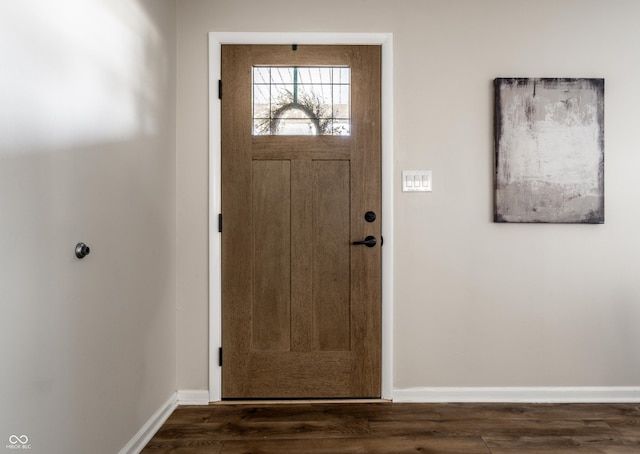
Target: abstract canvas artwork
(549, 150)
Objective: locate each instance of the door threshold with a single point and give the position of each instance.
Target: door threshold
(299, 401)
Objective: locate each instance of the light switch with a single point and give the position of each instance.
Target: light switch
(416, 181)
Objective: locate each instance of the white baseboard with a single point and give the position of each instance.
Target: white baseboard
(617, 394)
(146, 433)
(193, 397)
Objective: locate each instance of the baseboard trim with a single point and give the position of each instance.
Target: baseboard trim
(193, 397)
(146, 433)
(618, 394)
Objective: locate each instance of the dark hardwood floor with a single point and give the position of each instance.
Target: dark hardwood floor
(400, 428)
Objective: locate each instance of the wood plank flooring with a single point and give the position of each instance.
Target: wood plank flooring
(384, 427)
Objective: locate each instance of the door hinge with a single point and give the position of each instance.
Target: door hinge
(220, 223)
(219, 89)
(220, 357)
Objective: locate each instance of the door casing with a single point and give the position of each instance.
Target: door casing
(216, 39)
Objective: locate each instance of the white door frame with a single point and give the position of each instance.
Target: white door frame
(216, 39)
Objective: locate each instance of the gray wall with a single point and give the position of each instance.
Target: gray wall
(475, 303)
(87, 153)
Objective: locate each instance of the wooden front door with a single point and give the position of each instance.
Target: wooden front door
(301, 304)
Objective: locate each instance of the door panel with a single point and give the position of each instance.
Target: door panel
(300, 302)
(331, 266)
(272, 255)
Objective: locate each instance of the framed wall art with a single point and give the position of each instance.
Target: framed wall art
(549, 150)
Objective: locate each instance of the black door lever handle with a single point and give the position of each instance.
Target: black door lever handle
(369, 241)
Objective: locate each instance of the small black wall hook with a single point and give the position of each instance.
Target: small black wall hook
(294, 47)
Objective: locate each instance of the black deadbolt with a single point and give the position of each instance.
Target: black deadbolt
(369, 216)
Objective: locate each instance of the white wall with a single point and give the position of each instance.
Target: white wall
(87, 153)
(476, 303)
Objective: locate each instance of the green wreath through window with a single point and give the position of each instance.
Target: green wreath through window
(307, 103)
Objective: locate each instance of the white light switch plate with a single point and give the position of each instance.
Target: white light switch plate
(416, 180)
